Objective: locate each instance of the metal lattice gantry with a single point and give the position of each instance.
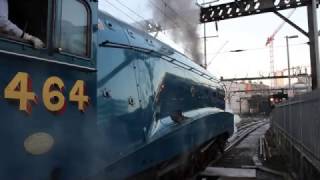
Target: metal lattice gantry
(241, 8)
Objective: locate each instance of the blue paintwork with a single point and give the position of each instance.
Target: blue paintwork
(127, 128)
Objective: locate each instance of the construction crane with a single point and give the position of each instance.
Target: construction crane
(271, 47)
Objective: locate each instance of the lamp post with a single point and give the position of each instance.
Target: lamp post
(288, 57)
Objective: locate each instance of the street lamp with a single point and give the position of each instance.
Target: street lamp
(288, 56)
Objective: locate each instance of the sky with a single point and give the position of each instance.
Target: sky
(246, 33)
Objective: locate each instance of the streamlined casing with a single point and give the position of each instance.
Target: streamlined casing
(142, 85)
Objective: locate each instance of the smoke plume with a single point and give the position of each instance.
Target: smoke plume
(181, 18)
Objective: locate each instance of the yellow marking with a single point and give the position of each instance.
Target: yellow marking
(18, 89)
(53, 99)
(39, 143)
(77, 94)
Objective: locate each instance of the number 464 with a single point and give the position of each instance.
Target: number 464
(20, 89)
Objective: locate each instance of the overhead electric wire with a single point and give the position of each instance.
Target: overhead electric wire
(172, 9)
(171, 19)
(131, 10)
(176, 24)
(162, 12)
(143, 19)
(134, 12)
(137, 14)
(258, 49)
(123, 12)
(175, 12)
(142, 26)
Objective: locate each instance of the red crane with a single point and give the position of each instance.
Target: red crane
(271, 47)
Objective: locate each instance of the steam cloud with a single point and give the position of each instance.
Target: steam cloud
(181, 18)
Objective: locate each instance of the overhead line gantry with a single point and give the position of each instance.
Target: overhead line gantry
(240, 8)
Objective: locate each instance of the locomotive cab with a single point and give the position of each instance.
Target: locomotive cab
(48, 95)
(24, 15)
(67, 28)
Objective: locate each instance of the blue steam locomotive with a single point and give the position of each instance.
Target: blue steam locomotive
(102, 100)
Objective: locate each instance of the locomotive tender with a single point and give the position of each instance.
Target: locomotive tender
(102, 100)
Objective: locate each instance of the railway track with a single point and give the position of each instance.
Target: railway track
(243, 131)
(209, 154)
(224, 163)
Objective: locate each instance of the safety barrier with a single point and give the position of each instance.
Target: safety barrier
(298, 120)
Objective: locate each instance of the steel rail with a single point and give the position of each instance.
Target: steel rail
(244, 133)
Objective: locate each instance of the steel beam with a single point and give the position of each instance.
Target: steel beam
(205, 45)
(263, 78)
(241, 8)
(291, 23)
(314, 44)
(268, 90)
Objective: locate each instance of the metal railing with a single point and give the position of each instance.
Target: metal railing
(299, 120)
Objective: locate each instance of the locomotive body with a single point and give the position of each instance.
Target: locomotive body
(158, 103)
(101, 101)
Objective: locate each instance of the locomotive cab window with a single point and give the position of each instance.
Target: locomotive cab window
(73, 27)
(24, 21)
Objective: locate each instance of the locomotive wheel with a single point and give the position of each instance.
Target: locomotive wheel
(190, 164)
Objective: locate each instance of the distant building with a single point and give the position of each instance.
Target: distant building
(239, 95)
(279, 82)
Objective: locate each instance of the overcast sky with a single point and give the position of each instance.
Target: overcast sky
(246, 33)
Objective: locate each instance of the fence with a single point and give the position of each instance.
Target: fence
(299, 121)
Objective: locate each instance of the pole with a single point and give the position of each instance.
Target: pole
(288, 57)
(314, 44)
(240, 107)
(205, 42)
(205, 45)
